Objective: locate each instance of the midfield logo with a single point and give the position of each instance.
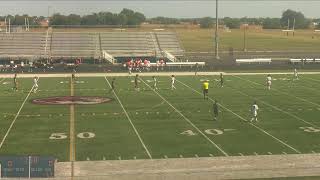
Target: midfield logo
(71, 100)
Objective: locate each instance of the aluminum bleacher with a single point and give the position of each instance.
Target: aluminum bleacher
(89, 44)
(22, 44)
(69, 44)
(127, 44)
(168, 41)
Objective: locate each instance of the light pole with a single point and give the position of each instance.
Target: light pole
(216, 33)
(245, 38)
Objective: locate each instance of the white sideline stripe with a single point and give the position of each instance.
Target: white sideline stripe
(2, 80)
(128, 117)
(265, 132)
(302, 99)
(274, 107)
(312, 79)
(186, 119)
(15, 118)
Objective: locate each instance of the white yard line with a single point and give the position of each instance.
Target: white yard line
(15, 118)
(302, 99)
(317, 80)
(257, 127)
(274, 107)
(2, 80)
(129, 119)
(186, 119)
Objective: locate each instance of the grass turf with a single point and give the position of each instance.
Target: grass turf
(288, 118)
(203, 40)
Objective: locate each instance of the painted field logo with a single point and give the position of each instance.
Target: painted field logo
(68, 100)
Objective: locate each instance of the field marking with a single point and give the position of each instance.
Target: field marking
(257, 127)
(15, 118)
(274, 107)
(2, 80)
(312, 79)
(129, 119)
(186, 119)
(301, 99)
(72, 129)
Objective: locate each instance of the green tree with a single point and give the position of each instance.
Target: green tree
(271, 23)
(206, 22)
(300, 21)
(232, 23)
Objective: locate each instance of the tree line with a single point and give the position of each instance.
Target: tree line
(295, 18)
(129, 17)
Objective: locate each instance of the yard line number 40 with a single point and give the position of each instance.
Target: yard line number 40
(83, 135)
(214, 132)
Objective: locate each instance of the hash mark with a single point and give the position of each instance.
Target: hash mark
(269, 153)
(240, 154)
(255, 153)
(119, 157)
(284, 153)
(196, 155)
(165, 156)
(180, 156)
(88, 159)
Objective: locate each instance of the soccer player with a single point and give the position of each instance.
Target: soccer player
(154, 83)
(15, 82)
(196, 69)
(136, 83)
(173, 79)
(295, 73)
(205, 89)
(269, 79)
(254, 111)
(215, 110)
(73, 75)
(221, 80)
(35, 84)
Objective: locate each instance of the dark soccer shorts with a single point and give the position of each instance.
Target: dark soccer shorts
(205, 91)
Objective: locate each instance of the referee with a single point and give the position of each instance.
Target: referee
(205, 89)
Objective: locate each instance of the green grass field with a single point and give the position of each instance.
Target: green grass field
(163, 123)
(203, 40)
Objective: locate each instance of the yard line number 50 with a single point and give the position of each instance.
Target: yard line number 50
(83, 135)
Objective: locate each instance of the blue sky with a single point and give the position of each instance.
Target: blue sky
(175, 8)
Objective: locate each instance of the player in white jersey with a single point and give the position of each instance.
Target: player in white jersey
(295, 73)
(254, 111)
(173, 79)
(155, 83)
(269, 79)
(35, 84)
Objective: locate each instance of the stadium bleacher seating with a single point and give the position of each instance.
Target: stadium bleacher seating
(89, 44)
(22, 44)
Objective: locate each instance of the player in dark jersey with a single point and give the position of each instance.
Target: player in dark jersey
(136, 83)
(113, 83)
(15, 83)
(215, 110)
(221, 80)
